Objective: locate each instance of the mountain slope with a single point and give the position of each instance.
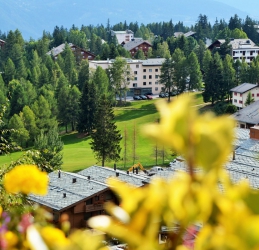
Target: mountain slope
(31, 17)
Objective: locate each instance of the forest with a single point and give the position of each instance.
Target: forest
(39, 94)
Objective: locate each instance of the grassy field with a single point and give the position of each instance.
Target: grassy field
(78, 154)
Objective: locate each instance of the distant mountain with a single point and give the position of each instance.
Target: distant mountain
(31, 17)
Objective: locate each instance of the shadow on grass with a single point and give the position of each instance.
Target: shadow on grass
(75, 137)
(134, 113)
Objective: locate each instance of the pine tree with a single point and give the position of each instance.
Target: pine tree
(106, 138)
(195, 76)
(249, 99)
(88, 105)
(166, 76)
(50, 146)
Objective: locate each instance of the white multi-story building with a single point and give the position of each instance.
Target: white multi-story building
(241, 49)
(240, 93)
(123, 36)
(146, 74)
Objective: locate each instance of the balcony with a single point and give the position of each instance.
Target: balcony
(94, 207)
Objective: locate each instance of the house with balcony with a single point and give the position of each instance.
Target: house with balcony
(146, 74)
(80, 54)
(240, 93)
(82, 195)
(241, 49)
(137, 44)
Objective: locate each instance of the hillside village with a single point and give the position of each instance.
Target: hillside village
(69, 84)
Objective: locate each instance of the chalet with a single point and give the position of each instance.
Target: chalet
(248, 116)
(2, 43)
(82, 195)
(241, 49)
(137, 44)
(79, 52)
(239, 93)
(123, 36)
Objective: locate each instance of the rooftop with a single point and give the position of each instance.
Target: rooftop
(249, 114)
(133, 44)
(244, 87)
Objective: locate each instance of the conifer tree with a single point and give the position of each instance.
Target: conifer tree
(106, 138)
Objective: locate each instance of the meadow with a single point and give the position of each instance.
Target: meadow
(130, 119)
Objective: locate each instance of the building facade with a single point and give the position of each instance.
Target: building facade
(134, 46)
(123, 36)
(241, 49)
(146, 75)
(240, 93)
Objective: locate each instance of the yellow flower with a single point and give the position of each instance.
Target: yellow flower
(26, 179)
(54, 236)
(204, 140)
(11, 239)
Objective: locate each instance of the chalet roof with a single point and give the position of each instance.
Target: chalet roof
(135, 43)
(82, 189)
(89, 182)
(101, 174)
(2, 41)
(59, 49)
(244, 87)
(249, 114)
(189, 33)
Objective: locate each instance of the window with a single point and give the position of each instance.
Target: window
(253, 95)
(89, 202)
(150, 70)
(144, 77)
(135, 78)
(156, 82)
(235, 93)
(240, 101)
(144, 83)
(150, 83)
(150, 77)
(156, 88)
(135, 85)
(235, 100)
(257, 94)
(240, 94)
(135, 72)
(96, 198)
(108, 196)
(144, 70)
(137, 66)
(156, 70)
(156, 76)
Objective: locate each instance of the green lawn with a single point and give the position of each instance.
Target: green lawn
(78, 154)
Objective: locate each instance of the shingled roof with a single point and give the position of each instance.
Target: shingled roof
(244, 87)
(133, 44)
(249, 114)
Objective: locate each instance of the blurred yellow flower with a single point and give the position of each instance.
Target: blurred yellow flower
(26, 179)
(11, 239)
(54, 236)
(191, 134)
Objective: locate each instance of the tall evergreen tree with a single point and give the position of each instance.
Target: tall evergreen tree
(88, 105)
(195, 76)
(106, 139)
(166, 76)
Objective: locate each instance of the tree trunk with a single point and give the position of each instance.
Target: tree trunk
(72, 125)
